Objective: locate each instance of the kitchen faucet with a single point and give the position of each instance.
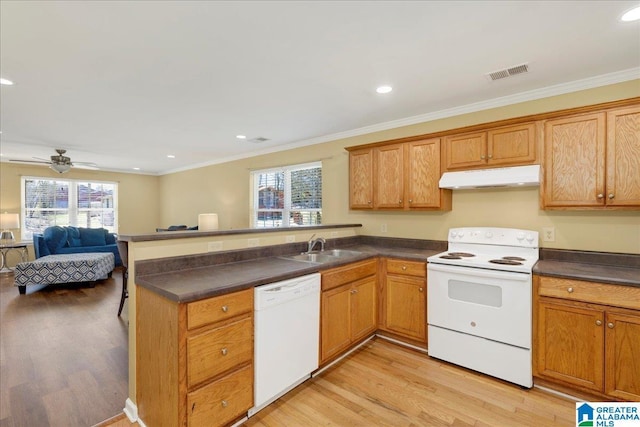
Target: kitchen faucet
(313, 242)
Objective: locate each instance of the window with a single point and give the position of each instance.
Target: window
(47, 202)
(287, 196)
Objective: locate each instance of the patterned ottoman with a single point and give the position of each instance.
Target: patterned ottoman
(68, 268)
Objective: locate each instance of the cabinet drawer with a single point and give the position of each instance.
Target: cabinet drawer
(221, 401)
(214, 309)
(411, 268)
(341, 275)
(217, 350)
(600, 293)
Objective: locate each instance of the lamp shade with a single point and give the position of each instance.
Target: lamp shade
(9, 221)
(207, 222)
(60, 167)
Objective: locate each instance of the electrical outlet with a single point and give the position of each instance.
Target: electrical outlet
(290, 239)
(252, 243)
(383, 228)
(548, 234)
(215, 246)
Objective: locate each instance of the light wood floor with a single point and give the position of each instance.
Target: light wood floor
(63, 354)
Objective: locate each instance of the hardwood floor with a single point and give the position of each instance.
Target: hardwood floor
(63, 354)
(383, 384)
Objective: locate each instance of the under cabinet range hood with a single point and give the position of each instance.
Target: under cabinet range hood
(517, 176)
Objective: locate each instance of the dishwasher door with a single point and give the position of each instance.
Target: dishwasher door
(287, 336)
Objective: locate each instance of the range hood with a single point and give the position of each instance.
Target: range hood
(517, 176)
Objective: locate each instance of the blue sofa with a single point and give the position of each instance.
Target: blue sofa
(58, 240)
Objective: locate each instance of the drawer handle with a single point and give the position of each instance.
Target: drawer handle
(598, 322)
(225, 308)
(224, 351)
(404, 268)
(420, 289)
(224, 403)
(354, 291)
(570, 290)
(610, 325)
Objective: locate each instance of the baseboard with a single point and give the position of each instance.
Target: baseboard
(557, 393)
(333, 362)
(131, 411)
(402, 343)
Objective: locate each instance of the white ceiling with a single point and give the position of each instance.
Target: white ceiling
(125, 83)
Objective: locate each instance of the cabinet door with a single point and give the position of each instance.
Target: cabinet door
(623, 157)
(622, 370)
(424, 174)
(465, 151)
(389, 177)
(512, 145)
(571, 344)
(335, 321)
(405, 306)
(574, 161)
(364, 313)
(361, 179)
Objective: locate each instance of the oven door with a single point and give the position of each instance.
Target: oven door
(485, 303)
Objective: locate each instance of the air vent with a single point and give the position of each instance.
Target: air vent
(259, 139)
(508, 72)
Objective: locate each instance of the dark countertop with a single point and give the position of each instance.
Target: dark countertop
(588, 272)
(208, 281)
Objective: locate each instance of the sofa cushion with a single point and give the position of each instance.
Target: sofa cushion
(73, 237)
(56, 238)
(109, 238)
(92, 237)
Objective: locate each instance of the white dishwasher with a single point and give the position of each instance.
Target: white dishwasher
(287, 335)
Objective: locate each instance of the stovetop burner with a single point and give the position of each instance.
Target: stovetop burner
(505, 261)
(513, 258)
(461, 254)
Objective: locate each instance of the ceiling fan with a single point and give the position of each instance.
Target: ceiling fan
(60, 163)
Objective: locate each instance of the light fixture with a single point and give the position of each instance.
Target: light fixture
(6, 82)
(631, 15)
(60, 167)
(136, 169)
(207, 222)
(241, 136)
(171, 156)
(384, 89)
(8, 222)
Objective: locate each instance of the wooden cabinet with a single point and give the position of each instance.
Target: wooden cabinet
(195, 360)
(401, 176)
(503, 146)
(583, 343)
(403, 306)
(348, 307)
(592, 161)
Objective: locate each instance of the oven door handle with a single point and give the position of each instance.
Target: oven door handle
(479, 272)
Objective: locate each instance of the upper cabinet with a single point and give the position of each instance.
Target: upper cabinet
(503, 146)
(592, 161)
(400, 176)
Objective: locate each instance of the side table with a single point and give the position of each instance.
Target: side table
(5, 248)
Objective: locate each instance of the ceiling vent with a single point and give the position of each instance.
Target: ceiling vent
(508, 72)
(259, 139)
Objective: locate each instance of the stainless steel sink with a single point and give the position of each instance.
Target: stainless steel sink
(324, 256)
(341, 253)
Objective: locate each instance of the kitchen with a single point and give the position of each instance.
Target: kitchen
(504, 198)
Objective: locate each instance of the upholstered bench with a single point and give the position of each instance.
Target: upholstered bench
(68, 268)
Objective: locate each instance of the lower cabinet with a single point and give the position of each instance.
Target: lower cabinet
(403, 305)
(584, 344)
(348, 307)
(195, 360)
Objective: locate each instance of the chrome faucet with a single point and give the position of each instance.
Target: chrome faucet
(313, 242)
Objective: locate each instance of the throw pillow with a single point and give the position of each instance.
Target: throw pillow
(92, 237)
(55, 237)
(73, 236)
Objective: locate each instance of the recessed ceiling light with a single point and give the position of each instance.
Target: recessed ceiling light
(384, 89)
(171, 156)
(136, 169)
(631, 15)
(6, 82)
(241, 136)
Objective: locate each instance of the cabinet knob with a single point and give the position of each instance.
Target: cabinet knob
(404, 268)
(600, 196)
(354, 291)
(224, 403)
(611, 196)
(610, 325)
(369, 202)
(225, 308)
(490, 156)
(224, 351)
(400, 201)
(410, 200)
(598, 322)
(481, 157)
(420, 289)
(570, 290)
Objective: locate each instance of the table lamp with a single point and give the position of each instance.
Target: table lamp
(9, 221)
(207, 222)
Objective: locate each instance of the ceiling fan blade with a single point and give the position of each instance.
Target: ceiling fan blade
(44, 160)
(88, 166)
(30, 161)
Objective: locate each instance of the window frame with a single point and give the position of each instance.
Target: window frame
(72, 209)
(255, 209)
